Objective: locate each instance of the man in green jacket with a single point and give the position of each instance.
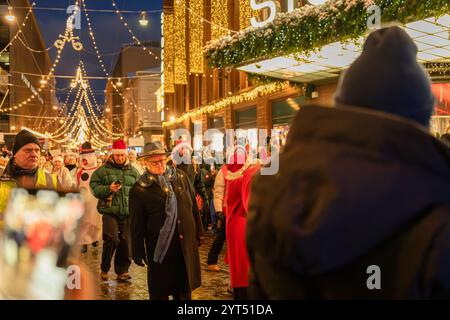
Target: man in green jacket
(111, 184)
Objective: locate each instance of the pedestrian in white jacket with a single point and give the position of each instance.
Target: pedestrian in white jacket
(64, 178)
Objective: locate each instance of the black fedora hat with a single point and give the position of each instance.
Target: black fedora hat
(153, 149)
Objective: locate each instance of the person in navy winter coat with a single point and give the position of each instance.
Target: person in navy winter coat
(361, 207)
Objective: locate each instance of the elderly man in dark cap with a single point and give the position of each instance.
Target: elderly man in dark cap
(23, 167)
(361, 208)
(166, 229)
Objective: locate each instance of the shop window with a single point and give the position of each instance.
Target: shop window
(245, 119)
(217, 123)
(283, 112)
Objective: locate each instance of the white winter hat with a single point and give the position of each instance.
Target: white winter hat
(58, 158)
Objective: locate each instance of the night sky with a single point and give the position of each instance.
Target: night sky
(110, 35)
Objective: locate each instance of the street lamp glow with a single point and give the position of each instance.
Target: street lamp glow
(143, 21)
(55, 107)
(43, 81)
(119, 83)
(10, 17)
(13, 128)
(172, 118)
(108, 109)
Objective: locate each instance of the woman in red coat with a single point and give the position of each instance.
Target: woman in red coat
(238, 178)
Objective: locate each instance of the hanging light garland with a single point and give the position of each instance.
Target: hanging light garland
(41, 87)
(16, 36)
(196, 60)
(168, 53)
(99, 58)
(64, 129)
(229, 101)
(219, 18)
(69, 37)
(52, 121)
(135, 39)
(245, 14)
(180, 41)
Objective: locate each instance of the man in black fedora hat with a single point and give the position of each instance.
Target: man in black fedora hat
(166, 229)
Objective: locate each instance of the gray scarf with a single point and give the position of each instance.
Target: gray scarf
(168, 229)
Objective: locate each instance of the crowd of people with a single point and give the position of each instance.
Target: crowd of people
(359, 185)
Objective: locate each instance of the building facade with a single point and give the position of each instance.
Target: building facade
(131, 95)
(23, 63)
(212, 88)
(257, 77)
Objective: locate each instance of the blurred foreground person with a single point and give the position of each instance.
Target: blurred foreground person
(166, 229)
(446, 138)
(361, 206)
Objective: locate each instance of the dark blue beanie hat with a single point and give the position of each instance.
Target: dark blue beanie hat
(387, 77)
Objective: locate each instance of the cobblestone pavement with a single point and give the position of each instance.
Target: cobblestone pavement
(214, 284)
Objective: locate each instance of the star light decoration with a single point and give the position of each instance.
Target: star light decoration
(69, 37)
(78, 80)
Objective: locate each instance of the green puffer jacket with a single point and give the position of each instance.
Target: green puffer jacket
(101, 181)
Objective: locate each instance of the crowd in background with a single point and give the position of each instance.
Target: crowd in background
(360, 185)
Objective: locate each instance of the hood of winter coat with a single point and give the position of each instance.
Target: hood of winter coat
(348, 179)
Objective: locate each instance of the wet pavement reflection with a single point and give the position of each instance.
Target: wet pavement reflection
(214, 284)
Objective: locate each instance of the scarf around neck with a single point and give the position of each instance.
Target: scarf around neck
(16, 171)
(168, 229)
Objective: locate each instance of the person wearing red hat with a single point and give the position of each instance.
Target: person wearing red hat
(111, 184)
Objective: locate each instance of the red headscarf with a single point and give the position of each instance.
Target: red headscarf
(237, 160)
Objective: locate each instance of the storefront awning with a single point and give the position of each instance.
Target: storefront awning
(431, 36)
(312, 43)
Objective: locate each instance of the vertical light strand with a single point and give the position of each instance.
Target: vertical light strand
(180, 41)
(168, 58)
(196, 61)
(245, 14)
(219, 18)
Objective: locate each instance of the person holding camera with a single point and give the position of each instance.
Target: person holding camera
(111, 184)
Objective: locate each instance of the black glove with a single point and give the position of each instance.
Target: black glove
(140, 261)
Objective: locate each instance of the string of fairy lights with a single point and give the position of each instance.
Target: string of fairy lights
(180, 40)
(219, 18)
(226, 102)
(78, 119)
(133, 35)
(62, 130)
(177, 70)
(44, 81)
(196, 58)
(19, 31)
(167, 53)
(116, 85)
